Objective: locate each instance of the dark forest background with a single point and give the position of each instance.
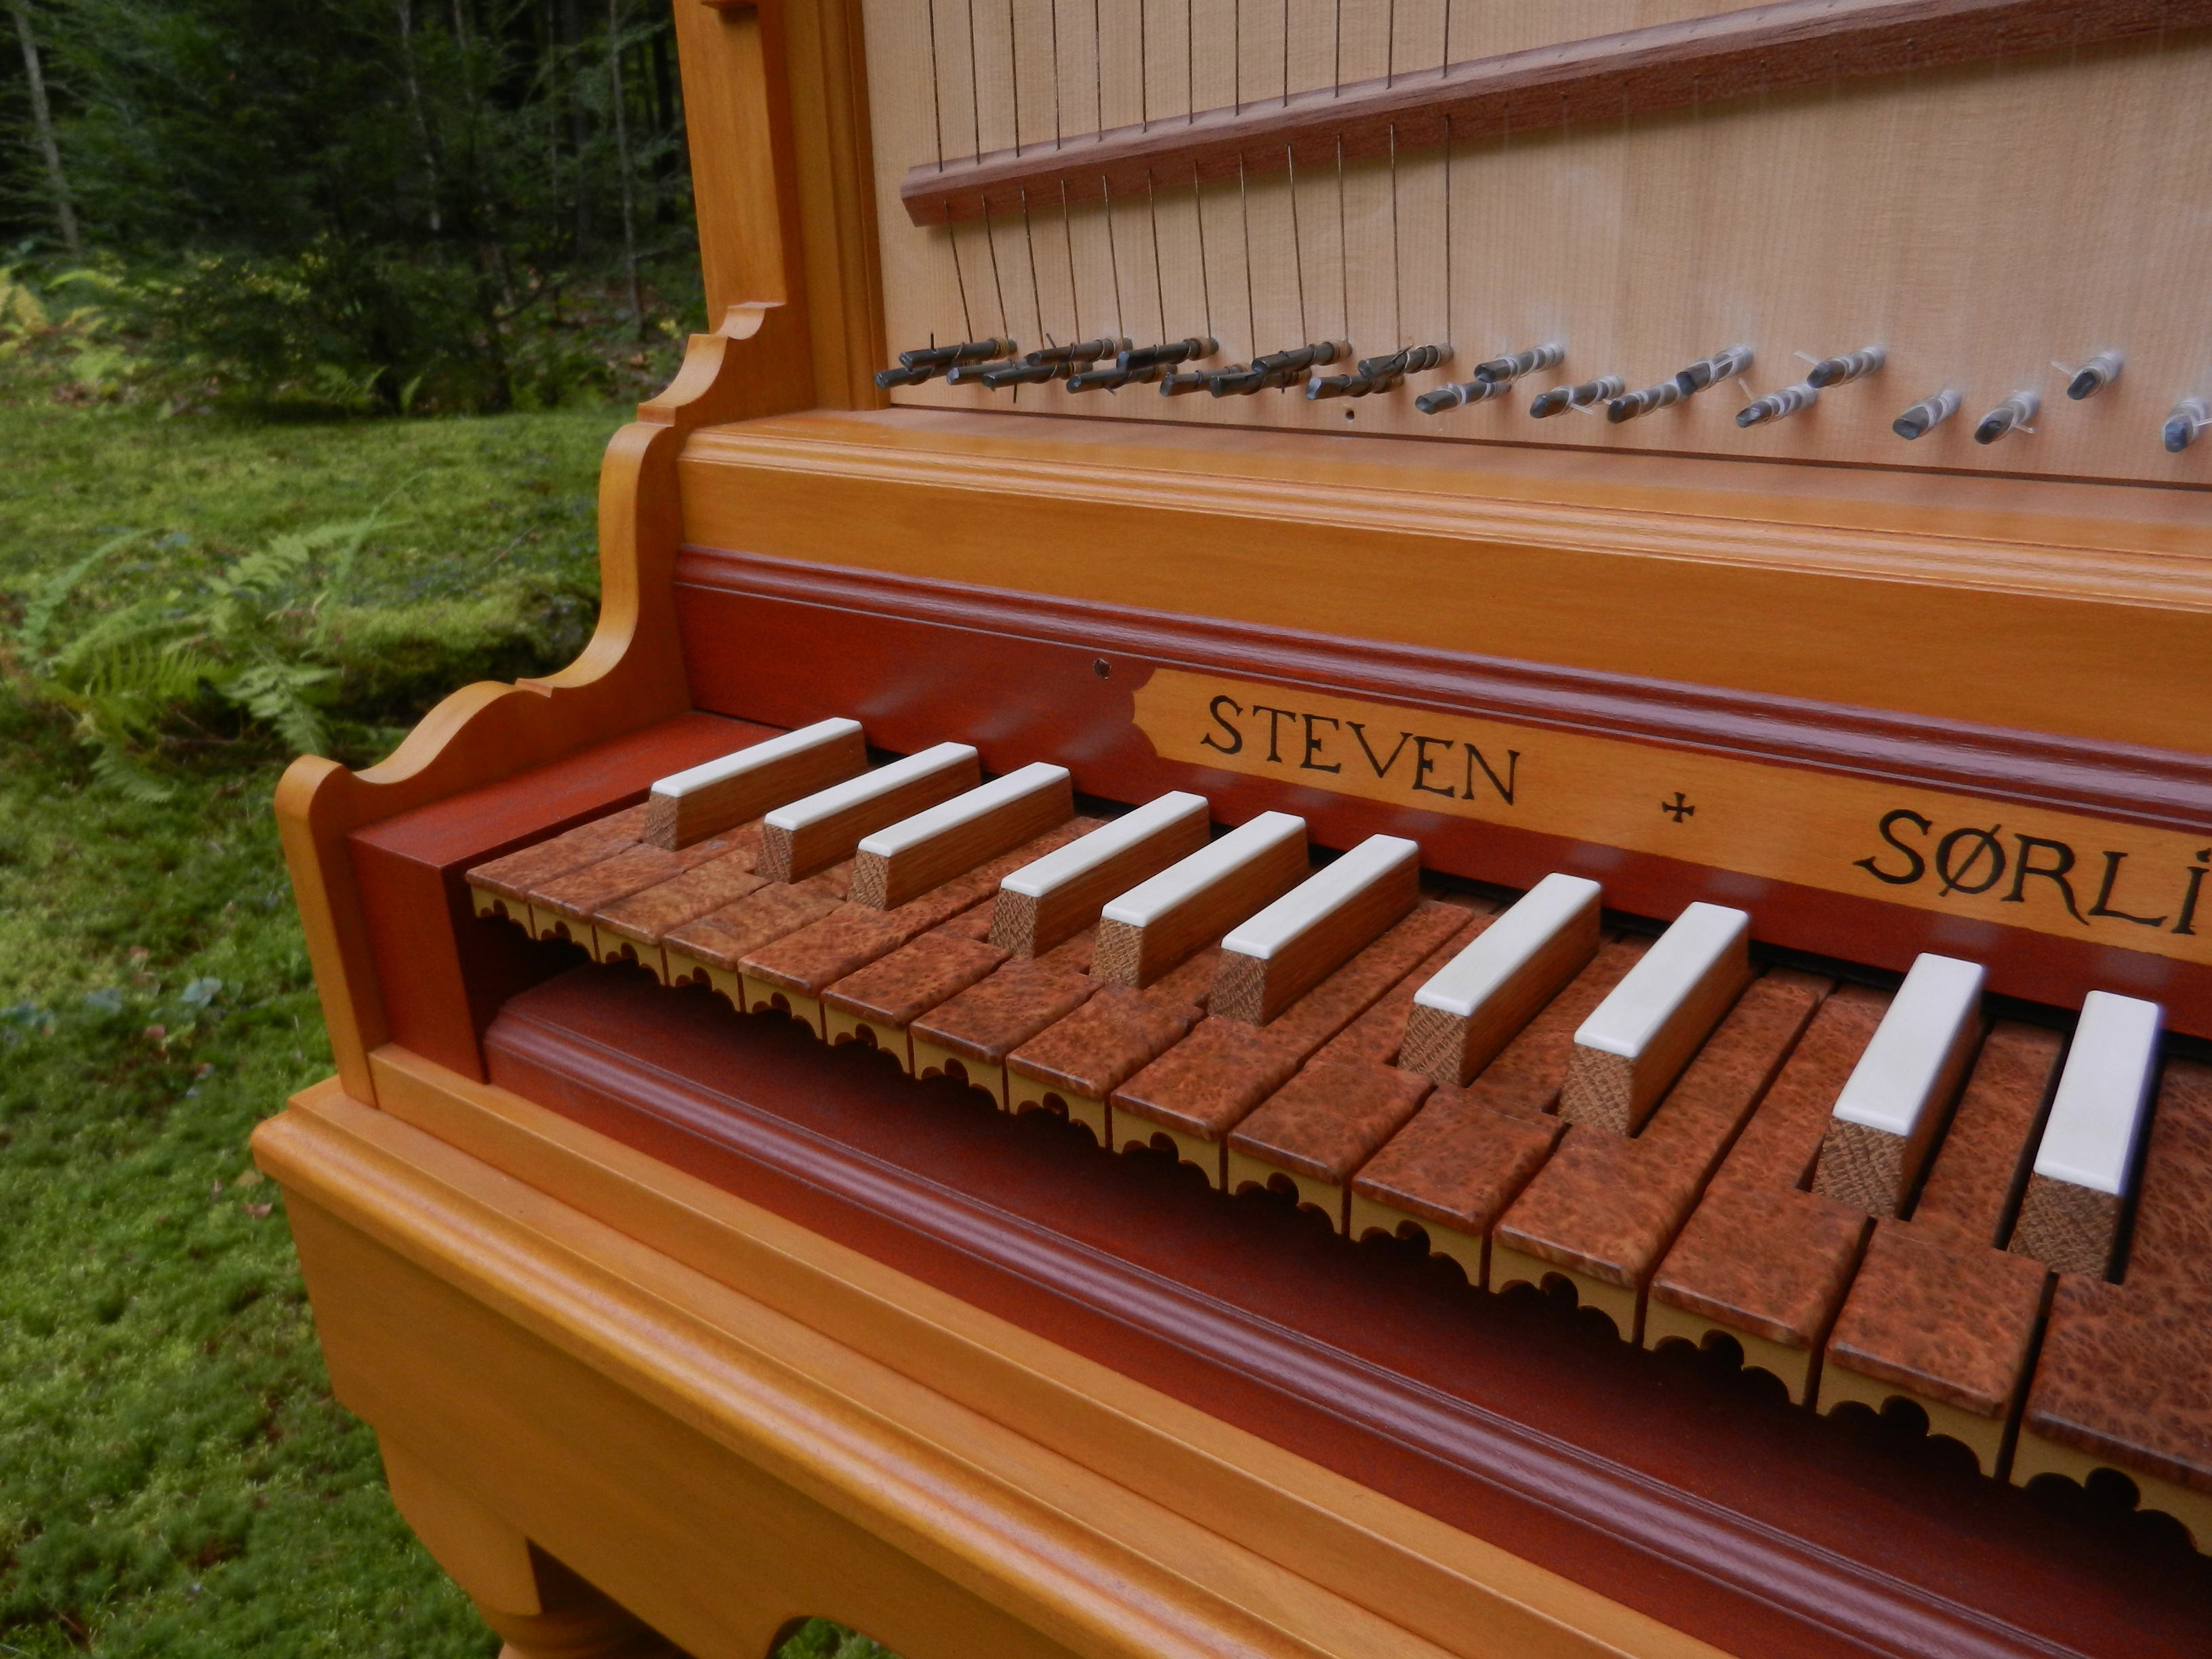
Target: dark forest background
(375, 205)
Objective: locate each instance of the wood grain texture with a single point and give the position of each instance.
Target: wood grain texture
(1760, 50)
(1448, 1046)
(2068, 1228)
(1343, 916)
(1136, 954)
(822, 831)
(966, 836)
(1070, 890)
(1469, 1349)
(1639, 242)
(675, 818)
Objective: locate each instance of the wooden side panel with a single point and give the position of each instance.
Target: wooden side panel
(444, 973)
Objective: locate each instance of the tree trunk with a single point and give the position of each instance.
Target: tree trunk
(406, 10)
(42, 121)
(619, 96)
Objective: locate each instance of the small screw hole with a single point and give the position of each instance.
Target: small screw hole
(1102, 668)
(1351, 415)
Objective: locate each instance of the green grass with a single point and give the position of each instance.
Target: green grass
(174, 1476)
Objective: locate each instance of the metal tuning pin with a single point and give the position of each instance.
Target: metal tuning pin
(2013, 415)
(1835, 371)
(886, 378)
(1114, 377)
(1276, 371)
(1929, 413)
(2094, 376)
(1160, 357)
(1046, 363)
(981, 374)
(1513, 366)
(1458, 393)
(1707, 370)
(1776, 404)
(1349, 386)
(1173, 385)
(1082, 351)
(2186, 424)
(969, 351)
(1407, 360)
(1561, 398)
(1379, 373)
(1630, 405)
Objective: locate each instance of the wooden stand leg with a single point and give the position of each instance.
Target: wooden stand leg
(537, 1605)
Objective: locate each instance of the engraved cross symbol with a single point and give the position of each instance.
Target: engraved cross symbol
(1678, 808)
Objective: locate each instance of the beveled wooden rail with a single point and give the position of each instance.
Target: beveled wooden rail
(1761, 49)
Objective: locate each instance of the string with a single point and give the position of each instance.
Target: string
(1068, 242)
(1037, 289)
(1286, 54)
(1447, 340)
(1160, 283)
(1343, 246)
(967, 322)
(1014, 73)
(1205, 281)
(1057, 135)
(1244, 209)
(936, 104)
(1444, 64)
(1097, 72)
(1144, 67)
(990, 242)
(1298, 242)
(1397, 296)
(975, 81)
(1189, 61)
(1121, 325)
(1390, 59)
(1236, 51)
(1339, 90)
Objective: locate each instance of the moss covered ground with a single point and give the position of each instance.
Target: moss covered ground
(174, 1476)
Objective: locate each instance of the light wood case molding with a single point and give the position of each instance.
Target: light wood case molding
(453, 1167)
(760, 359)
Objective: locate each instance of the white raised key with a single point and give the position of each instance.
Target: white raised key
(2069, 1218)
(1478, 1000)
(803, 838)
(907, 859)
(1892, 1107)
(1160, 921)
(1272, 959)
(720, 794)
(1042, 903)
(1634, 1044)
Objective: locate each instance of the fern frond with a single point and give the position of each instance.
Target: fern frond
(114, 769)
(45, 603)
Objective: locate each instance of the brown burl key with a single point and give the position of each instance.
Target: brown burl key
(1603, 1209)
(711, 949)
(2123, 1380)
(634, 929)
(969, 1037)
(1073, 1067)
(1193, 1094)
(1310, 1136)
(563, 907)
(875, 1004)
(1938, 1314)
(1761, 1261)
(1465, 1155)
(501, 888)
(792, 974)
